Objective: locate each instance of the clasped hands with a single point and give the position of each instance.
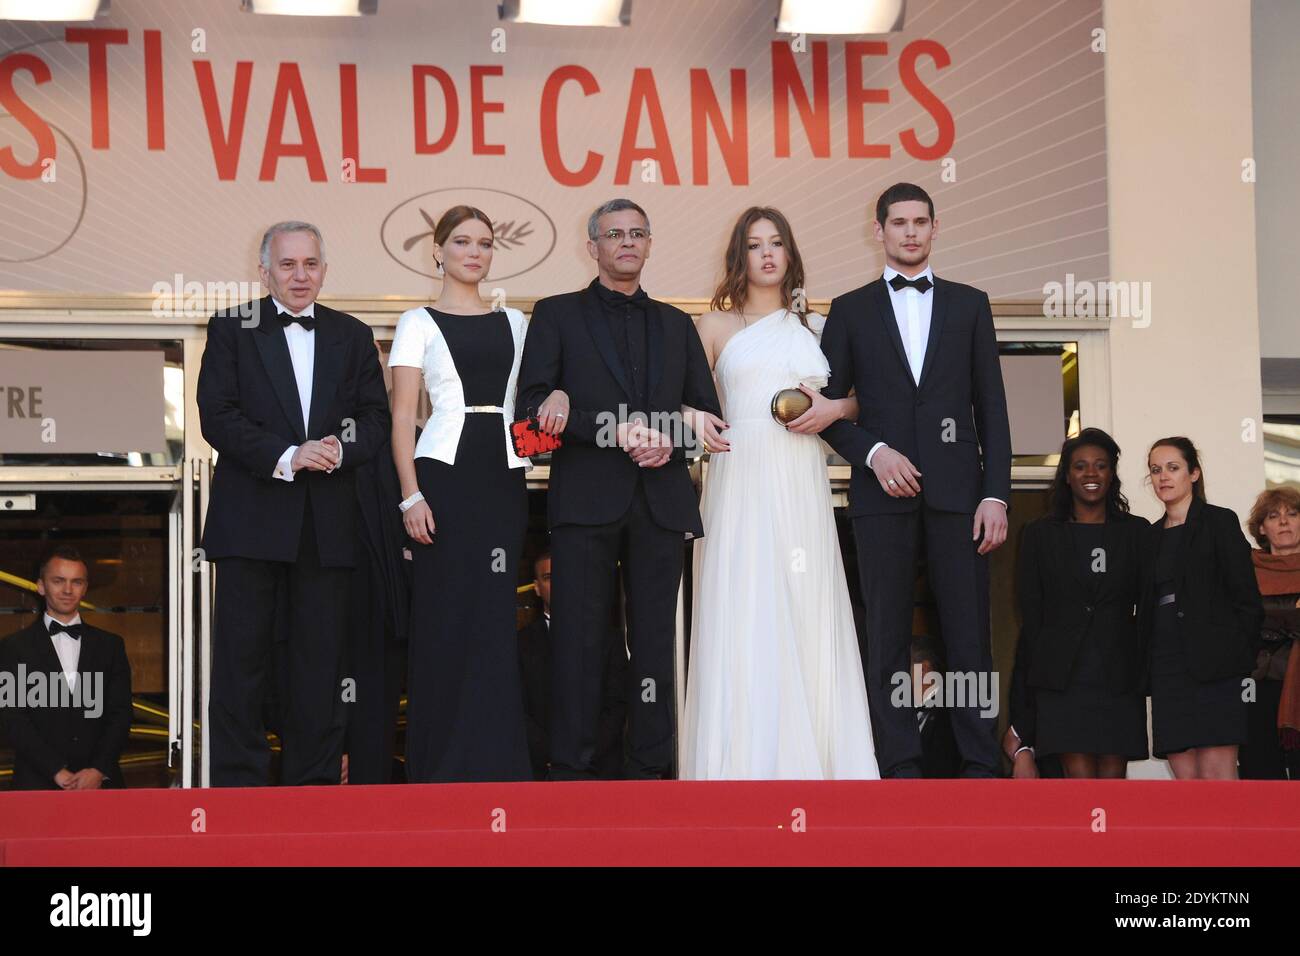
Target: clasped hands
(648, 447)
(87, 779)
(323, 454)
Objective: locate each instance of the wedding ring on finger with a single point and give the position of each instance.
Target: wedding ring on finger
(892, 482)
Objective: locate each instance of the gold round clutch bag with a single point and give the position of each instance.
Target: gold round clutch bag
(788, 404)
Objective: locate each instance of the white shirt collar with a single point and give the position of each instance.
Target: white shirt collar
(310, 311)
(48, 619)
(928, 272)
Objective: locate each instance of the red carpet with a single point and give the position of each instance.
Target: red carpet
(893, 823)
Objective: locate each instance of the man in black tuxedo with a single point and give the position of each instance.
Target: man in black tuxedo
(535, 672)
(931, 457)
(291, 396)
(71, 739)
(620, 493)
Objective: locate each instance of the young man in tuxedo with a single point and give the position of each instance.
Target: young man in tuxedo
(77, 746)
(291, 396)
(931, 457)
(620, 493)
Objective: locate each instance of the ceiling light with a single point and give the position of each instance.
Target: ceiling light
(840, 16)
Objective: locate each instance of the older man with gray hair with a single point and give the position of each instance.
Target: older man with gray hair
(621, 498)
(293, 402)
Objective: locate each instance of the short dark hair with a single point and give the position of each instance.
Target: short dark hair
(545, 555)
(605, 208)
(901, 192)
(64, 551)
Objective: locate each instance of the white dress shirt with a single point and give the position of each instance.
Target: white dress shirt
(912, 310)
(67, 647)
(302, 352)
(912, 313)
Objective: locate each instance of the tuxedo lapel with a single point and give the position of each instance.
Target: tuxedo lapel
(45, 658)
(325, 369)
(598, 326)
(885, 311)
(938, 315)
(274, 351)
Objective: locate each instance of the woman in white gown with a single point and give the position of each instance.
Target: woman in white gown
(774, 687)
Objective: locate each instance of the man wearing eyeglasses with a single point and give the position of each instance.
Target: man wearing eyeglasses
(620, 493)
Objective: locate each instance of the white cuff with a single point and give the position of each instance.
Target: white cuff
(874, 448)
(998, 500)
(284, 467)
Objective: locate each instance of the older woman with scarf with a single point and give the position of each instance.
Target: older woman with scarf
(1272, 751)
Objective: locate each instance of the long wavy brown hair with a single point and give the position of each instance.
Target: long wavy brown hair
(733, 290)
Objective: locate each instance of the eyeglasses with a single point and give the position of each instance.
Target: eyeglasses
(616, 235)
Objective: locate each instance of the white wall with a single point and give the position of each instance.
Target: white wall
(1178, 125)
(1276, 80)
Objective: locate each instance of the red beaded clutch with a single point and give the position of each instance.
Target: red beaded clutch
(530, 440)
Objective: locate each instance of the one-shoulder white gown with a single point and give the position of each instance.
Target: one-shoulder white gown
(774, 686)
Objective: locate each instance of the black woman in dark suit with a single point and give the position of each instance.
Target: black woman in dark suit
(1077, 584)
(1201, 612)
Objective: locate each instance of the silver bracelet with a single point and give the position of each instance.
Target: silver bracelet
(406, 505)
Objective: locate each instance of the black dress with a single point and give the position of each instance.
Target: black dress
(465, 719)
(1088, 717)
(1185, 712)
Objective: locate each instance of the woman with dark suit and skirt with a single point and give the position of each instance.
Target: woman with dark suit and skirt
(1082, 655)
(1201, 611)
(465, 507)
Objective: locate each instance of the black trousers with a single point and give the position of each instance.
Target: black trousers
(585, 563)
(243, 633)
(887, 546)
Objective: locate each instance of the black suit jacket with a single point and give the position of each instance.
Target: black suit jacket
(47, 739)
(1219, 607)
(953, 426)
(250, 413)
(570, 346)
(1058, 611)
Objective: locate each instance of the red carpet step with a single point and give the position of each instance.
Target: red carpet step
(889, 823)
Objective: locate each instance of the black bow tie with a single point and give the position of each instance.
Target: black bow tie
(72, 630)
(308, 322)
(921, 284)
